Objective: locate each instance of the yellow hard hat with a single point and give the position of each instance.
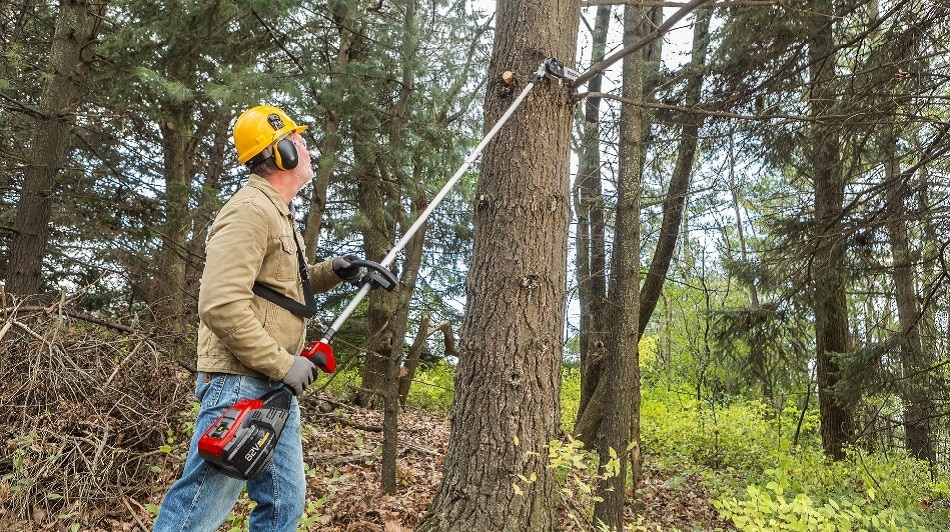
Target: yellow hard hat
(259, 128)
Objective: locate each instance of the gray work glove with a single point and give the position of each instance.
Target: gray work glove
(344, 270)
(300, 375)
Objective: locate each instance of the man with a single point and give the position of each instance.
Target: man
(248, 345)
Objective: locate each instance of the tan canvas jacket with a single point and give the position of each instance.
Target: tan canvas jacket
(252, 239)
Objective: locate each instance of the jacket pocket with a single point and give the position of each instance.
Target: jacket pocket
(286, 259)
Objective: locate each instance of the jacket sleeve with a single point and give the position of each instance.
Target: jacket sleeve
(234, 255)
(322, 277)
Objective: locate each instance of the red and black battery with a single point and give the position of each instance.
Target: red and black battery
(241, 441)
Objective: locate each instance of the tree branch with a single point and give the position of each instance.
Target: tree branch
(81, 316)
(708, 110)
(702, 110)
(600, 67)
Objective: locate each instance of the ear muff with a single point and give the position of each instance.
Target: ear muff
(285, 154)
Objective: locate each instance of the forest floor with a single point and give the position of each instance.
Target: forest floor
(95, 439)
(342, 451)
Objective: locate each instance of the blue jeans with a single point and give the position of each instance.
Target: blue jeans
(203, 497)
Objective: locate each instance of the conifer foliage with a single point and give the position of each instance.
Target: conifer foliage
(759, 235)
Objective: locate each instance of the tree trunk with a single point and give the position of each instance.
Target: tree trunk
(329, 143)
(930, 245)
(70, 56)
(412, 359)
(675, 201)
(209, 203)
(378, 235)
(591, 230)
(828, 275)
(407, 284)
(915, 365)
(381, 370)
(508, 379)
(914, 387)
(168, 287)
(620, 382)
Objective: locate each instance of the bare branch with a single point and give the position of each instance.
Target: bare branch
(654, 35)
(708, 109)
(82, 316)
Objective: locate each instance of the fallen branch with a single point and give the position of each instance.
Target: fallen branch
(79, 316)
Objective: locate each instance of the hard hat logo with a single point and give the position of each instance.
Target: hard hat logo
(275, 122)
(258, 129)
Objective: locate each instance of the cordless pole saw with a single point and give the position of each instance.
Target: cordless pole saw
(241, 442)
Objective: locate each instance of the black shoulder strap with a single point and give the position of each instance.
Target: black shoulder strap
(305, 311)
(281, 300)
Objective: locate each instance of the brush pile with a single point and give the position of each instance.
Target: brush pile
(86, 411)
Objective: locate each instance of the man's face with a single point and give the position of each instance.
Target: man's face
(304, 169)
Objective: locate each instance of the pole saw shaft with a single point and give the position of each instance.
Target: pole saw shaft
(545, 68)
(241, 442)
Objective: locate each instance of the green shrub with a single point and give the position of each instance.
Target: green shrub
(735, 437)
(433, 388)
(743, 450)
(807, 492)
(570, 397)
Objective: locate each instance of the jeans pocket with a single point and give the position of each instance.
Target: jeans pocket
(220, 389)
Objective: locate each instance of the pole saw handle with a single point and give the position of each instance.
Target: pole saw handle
(321, 354)
(378, 276)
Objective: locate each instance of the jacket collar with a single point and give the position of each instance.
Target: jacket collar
(264, 186)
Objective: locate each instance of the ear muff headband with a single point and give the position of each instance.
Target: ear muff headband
(285, 154)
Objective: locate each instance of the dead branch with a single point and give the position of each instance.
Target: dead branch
(79, 316)
(448, 337)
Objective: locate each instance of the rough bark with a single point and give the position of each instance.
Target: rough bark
(827, 272)
(70, 55)
(621, 379)
(508, 379)
(591, 229)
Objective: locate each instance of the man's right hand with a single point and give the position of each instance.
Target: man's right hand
(344, 269)
(300, 375)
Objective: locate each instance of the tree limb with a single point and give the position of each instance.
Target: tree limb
(602, 66)
(707, 109)
(82, 316)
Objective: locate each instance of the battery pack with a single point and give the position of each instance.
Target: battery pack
(240, 443)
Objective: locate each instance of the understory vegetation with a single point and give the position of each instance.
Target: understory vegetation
(742, 452)
(745, 456)
(105, 438)
(761, 481)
